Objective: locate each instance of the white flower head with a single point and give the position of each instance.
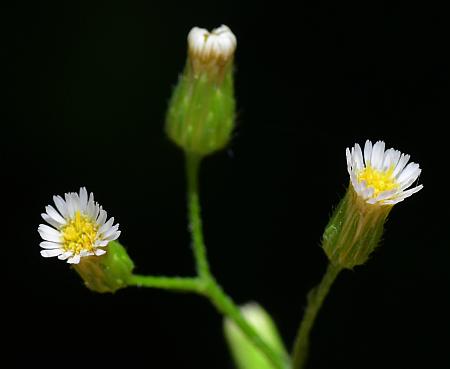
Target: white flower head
(381, 176)
(211, 49)
(78, 228)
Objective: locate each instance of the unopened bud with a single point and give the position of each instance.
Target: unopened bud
(201, 112)
(244, 352)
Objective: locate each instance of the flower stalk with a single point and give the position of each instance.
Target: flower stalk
(195, 219)
(315, 299)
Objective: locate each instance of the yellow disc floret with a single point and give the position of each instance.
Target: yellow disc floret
(79, 234)
(380, 181)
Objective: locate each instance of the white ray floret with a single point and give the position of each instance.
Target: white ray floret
(381, 176)
(220, 43)
(78, 228)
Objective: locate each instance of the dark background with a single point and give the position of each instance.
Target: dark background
(87, 87)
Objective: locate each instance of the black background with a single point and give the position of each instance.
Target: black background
(87, 87)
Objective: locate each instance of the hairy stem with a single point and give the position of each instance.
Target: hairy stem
(195, 219)
(213, 291)
(168, 283)
(315, 300)
(205, 284)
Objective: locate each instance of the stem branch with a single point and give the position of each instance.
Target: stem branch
(167, 283)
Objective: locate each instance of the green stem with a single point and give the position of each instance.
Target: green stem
(195, 220)
(213, 291)
(205, 284)
(314, 302)
(168, 283)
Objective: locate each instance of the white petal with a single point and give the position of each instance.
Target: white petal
(411, 191)
(96, 211)
(101, 217)
(367, 152)
(46, 228)
(51, 253)
(55, 215)
(90, 208)
(65, 255)
(114, 236)
(383, 196)
(76, 200)
(410, 170)
(412, 178)
(401, 164)
(395, 156)
(61, 205)
(83, 199)
(50, 220)
(48, 233)
(73, 203)
(106, 226)
(99, 252)
(358, 157)
(387, 160)
(349, 160)
(355, 183)
(377, 155)
(390, 201)
(86, 253)
(74, 259)
(50, 245)
(102, 243)
(110, 231)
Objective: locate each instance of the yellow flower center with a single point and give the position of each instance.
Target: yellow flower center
(79, 234)
(378, 180)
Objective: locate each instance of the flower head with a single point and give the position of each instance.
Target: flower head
(381, 176)
(379, 179)
(78, 228)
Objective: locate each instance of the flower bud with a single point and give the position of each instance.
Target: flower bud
(106, 273)
(245, 354)
(201, 112)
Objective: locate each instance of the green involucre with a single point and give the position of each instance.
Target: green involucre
(201, 113)
(354, 230)
(106, 273)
